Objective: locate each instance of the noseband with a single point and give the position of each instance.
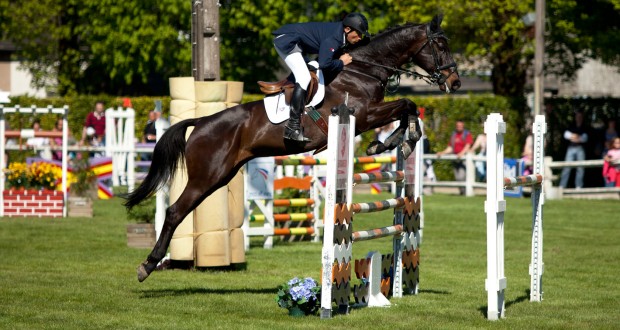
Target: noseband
(435, 78)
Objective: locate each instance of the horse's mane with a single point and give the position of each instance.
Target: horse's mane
(383, 41)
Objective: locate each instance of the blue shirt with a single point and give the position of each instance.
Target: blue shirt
(322, 38)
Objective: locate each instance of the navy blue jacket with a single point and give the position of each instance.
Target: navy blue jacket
(322, 38)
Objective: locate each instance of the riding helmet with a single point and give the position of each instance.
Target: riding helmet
(357, 22)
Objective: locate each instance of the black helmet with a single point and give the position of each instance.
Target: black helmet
(357, 22)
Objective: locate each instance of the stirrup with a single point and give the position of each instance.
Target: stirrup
(295, 135)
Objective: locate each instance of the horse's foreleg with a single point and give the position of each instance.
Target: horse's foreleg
(387, 112)
(415, 133)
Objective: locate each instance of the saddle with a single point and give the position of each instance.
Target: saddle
(287, 85)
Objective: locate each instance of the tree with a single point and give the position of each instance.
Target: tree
(493, 31)
(100, 46)
(580, 30)
(133, 47)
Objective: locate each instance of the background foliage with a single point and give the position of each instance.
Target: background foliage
(133, 47)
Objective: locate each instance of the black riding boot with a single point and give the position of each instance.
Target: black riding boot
(293, 130)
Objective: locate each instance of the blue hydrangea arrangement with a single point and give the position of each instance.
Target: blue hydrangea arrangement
(300, 297)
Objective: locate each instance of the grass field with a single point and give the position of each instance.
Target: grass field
(78, 273)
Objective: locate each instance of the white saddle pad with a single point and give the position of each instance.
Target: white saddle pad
(278, 110)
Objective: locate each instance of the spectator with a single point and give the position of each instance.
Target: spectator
(39, 143)
(527, 155)
(611, 167)
(481, 165)
(610, 134)
(150, 133)
(577, 137)
(460, 143)
(57, 142)
(382, 133)
(96, 121)
(429, 171)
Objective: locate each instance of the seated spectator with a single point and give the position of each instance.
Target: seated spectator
(481, 166)
(611, 167)
(527, 155)
(57, 141)
(39, 143)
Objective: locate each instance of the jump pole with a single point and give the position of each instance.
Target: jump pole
(495, 207)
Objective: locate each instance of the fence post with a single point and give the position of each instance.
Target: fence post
(470, 174)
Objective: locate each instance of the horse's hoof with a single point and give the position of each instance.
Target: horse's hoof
(415, 136)
(142, 273)
(374, 148)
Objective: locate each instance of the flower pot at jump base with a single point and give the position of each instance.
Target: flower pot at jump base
(296, 312)
(32, 203)
(80, 207)
(141, 235)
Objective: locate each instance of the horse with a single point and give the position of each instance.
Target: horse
(222, 143)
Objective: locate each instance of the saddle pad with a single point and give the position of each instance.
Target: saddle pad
(278, 110)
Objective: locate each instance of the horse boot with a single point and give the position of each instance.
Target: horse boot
(293, 130)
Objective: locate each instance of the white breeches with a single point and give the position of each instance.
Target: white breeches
(295, 61)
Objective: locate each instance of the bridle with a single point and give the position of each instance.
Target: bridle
(435, 78)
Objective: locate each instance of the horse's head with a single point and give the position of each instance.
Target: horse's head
(433, 55)
(423, 44)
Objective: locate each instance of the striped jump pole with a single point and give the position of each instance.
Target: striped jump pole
(393, 203)
(379, 273)
(293, 202)
(307, 160)
(283, 217)
(495, 207)
(364, 235)
(525, 180)
(375, 177)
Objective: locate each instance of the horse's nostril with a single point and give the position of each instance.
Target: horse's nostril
(456, 85)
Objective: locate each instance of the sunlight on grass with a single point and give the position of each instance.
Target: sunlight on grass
(78, 273)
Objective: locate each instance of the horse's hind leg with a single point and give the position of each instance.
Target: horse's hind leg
(175, 214)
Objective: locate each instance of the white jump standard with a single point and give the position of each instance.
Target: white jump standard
(495, 207)
(379, 275)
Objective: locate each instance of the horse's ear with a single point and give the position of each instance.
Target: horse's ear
(436, 22)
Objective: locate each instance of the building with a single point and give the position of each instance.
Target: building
(13, 79)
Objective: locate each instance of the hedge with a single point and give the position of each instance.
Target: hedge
(440, 114)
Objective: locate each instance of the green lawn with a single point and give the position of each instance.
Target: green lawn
(78, 273)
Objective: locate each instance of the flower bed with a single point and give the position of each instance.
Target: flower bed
(33, 203)
(31, 192)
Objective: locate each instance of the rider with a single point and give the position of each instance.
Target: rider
(293, 41)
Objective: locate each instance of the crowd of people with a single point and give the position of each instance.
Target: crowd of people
(93, 134)
(576, 136)
(461, 142)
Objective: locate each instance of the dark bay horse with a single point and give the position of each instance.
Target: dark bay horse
(222, 143)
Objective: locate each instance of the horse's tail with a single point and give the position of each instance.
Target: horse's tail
(168, 151)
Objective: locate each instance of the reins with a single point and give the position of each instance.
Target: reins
(435, 78)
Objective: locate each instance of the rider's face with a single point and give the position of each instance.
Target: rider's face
(352, 36)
